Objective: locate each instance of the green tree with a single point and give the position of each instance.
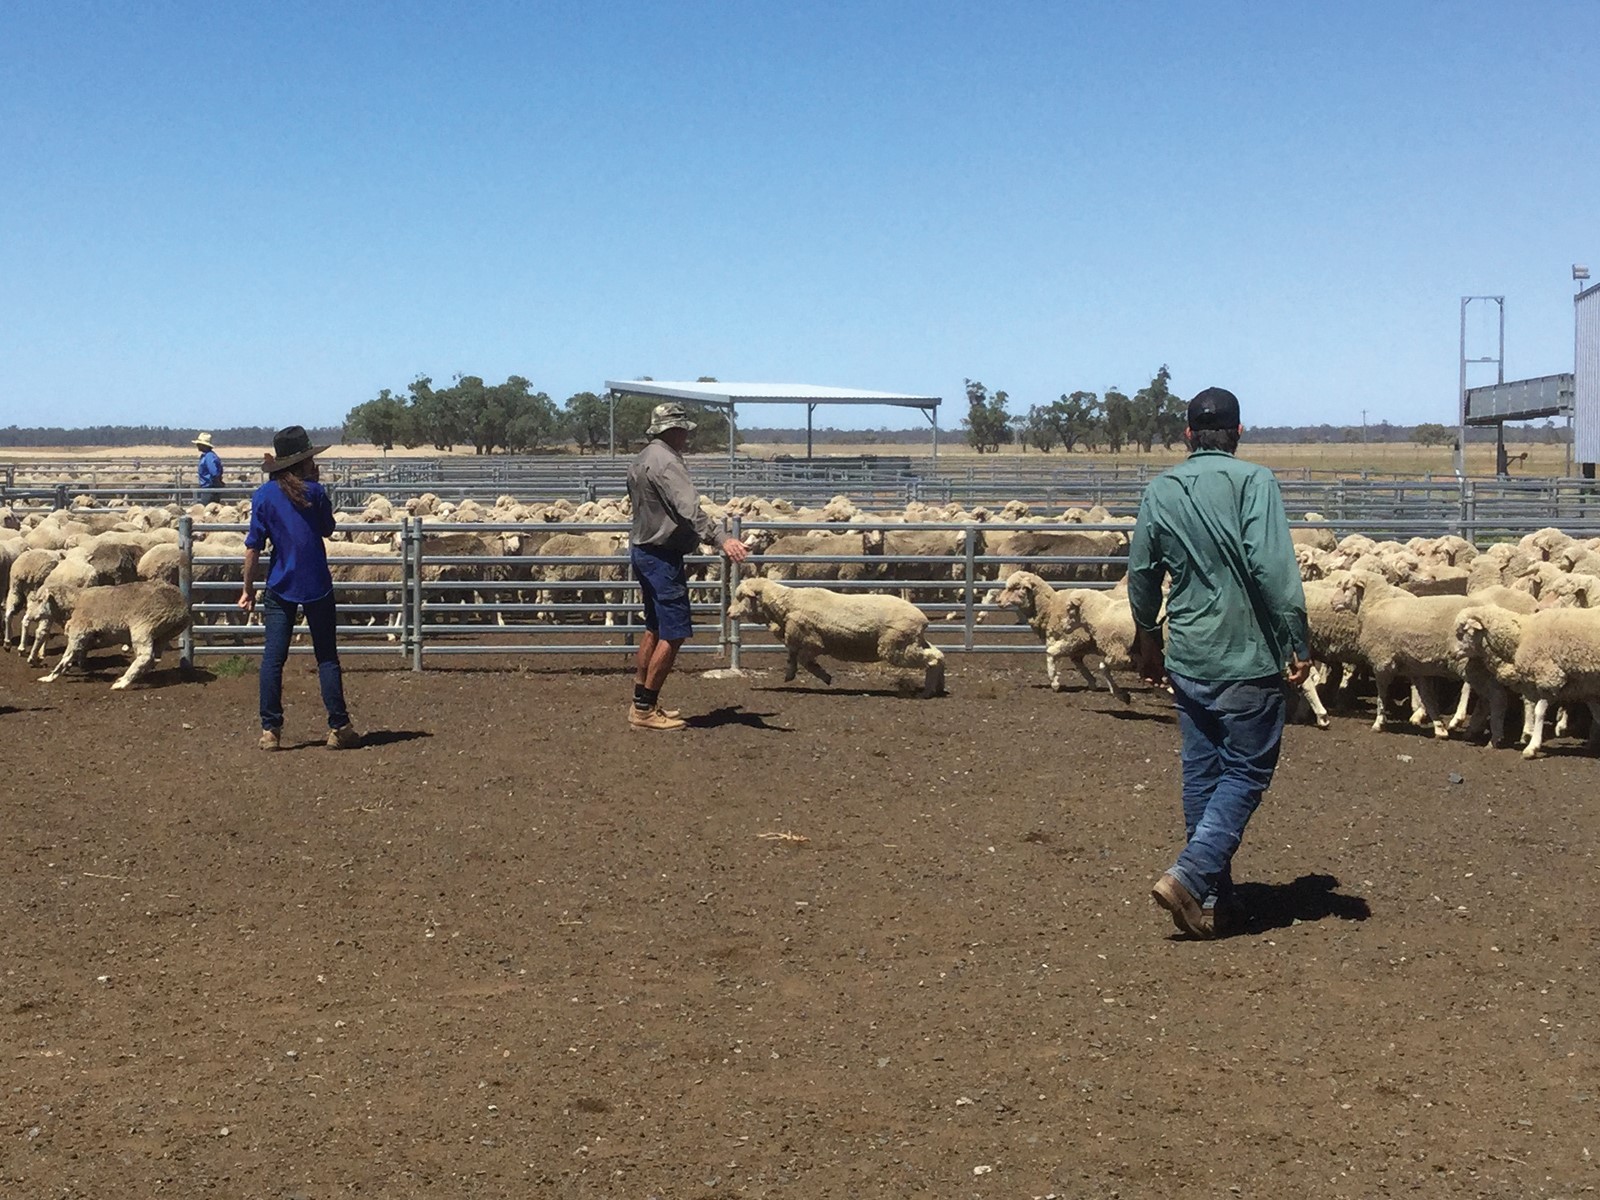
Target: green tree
(1041, 428)
(986, 422)
(1119, 420)
(1164, 416)
(381, 421)
(1433, 434)
(588, 419)
(1078, 420)
(533, 422)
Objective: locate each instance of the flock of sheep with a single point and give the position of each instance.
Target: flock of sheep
(1512, 621)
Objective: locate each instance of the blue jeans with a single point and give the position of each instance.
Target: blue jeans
(278, 615)
(1232, 731)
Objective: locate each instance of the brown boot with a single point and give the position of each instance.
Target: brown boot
(1185, 909)
(343, 738)
(269, 739)
(671, 713)
(654, 718)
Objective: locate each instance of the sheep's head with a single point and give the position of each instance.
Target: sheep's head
(1470, 632)
(1348, 594)
(872, 541)
(748, 599)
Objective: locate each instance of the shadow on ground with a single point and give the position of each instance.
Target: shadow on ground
(1309, 898)
(734, 714)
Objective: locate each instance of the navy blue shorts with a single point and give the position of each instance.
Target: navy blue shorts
(665, 588)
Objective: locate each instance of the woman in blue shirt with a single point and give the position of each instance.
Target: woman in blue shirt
(292, 511)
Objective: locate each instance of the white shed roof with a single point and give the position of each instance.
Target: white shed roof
(721, 395)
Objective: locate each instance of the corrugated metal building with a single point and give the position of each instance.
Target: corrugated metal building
(1586, 380)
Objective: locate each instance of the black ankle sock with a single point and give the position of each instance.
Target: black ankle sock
(644, 697)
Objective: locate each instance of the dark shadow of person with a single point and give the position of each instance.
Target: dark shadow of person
(1309, 898)
(388, 737)
(734, 714)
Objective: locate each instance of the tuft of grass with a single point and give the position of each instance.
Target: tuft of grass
(233, 666)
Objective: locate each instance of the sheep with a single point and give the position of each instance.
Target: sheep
(1550, 655)
(147, 614)
(1019, 547)
(1319, 537)
(826, 549)
(555, 571)
(851, 626)
(1401, 634)
(1109, 621)
(1044, 609)
(88, 566)
(28, 571)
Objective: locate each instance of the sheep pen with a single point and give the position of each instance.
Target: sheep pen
(504, 931)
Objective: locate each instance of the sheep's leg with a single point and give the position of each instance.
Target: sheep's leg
(1527, 721)
(1088, 675)
(1540, 707)
(69, 656)
(1561, 722)
(811, 665)
(1116, 689)
(1427, 691)
(143, 655)
(933, 674)
(1419, 711)
(1592, 742)
(1308, 689)
(1460, 717)
(1052, 665)
(1385, 681)
(792, 667)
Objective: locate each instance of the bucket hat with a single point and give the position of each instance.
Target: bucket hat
(671, 415)
(290, 445)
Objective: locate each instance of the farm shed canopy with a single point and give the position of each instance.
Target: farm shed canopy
(728, 395)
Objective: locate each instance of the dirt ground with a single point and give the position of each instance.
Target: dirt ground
(513, 949)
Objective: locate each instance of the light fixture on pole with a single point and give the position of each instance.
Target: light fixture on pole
(1580, 273)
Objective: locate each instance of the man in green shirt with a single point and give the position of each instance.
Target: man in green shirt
(1236, 624)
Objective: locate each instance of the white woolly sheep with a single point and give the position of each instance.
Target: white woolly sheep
(28, 571)
(147, 614)
(1044, 609)
(1109, 621)
(854, 627)
(1405, 635)
(1554, 658)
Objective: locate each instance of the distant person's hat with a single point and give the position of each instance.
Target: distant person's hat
(1214, 408)
(671, 415)
(203, 440)
(290, 446)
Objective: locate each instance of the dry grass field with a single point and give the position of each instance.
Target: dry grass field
(1395, 458)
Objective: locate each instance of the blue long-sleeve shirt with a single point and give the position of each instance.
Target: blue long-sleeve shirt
(210, 469)
(1235, 609)
(299, 571)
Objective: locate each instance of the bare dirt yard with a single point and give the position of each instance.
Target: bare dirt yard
(825, 943)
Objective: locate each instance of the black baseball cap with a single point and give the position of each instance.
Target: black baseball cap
(1214, 408)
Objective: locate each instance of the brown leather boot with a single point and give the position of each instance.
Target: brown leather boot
(654, 718)
(1185, 909)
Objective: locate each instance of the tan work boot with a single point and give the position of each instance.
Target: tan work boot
(343, 738)
(269, 739)
(1185, 909)
(671, 713)
(652, 719)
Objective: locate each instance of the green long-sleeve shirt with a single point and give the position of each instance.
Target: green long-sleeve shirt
(1235, 608)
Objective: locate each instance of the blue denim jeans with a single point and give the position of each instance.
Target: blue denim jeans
(1232, 732)
(278, 615)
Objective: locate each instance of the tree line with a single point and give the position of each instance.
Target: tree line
(512, 417)
(149, 435)
(1114, 421)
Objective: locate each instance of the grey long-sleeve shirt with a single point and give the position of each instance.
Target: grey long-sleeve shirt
(666, 507)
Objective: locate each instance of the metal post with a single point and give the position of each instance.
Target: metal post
(186, 586)
(1461, 400)
(971, 578)
(810, 408)
(730, 585)
(611, 427)
(414, 536)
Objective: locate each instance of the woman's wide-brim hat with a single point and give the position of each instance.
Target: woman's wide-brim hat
(671, 415)
(290, 446)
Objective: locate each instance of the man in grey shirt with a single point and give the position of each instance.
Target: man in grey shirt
(668, 523)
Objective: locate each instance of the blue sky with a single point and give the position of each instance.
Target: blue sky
(216, 214)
